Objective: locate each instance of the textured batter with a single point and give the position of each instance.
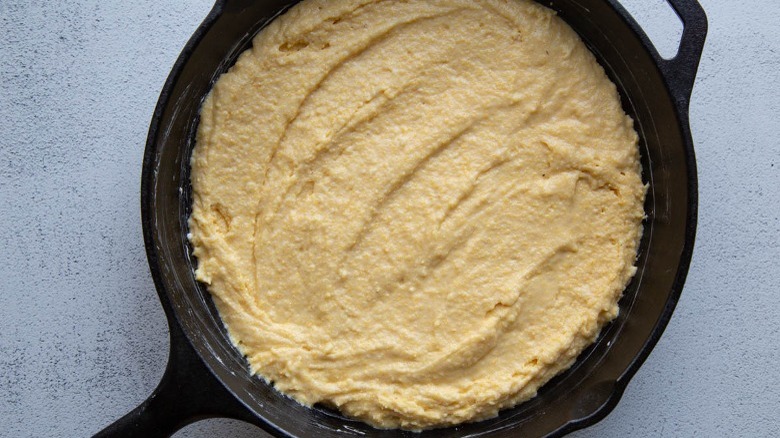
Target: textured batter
(415, 211)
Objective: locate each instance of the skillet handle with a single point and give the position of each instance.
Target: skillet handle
(188, 392)
(680, 71)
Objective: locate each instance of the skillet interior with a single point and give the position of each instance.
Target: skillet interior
(580, 396)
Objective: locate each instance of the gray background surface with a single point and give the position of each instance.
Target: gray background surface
(82, 336)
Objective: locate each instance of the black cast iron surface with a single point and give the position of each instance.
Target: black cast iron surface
(207, 377)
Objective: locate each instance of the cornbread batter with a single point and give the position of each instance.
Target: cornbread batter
(415, 211)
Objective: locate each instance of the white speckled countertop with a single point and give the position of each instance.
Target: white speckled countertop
(82, 336)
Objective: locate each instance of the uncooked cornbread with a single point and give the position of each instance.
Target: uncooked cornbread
(415, 211)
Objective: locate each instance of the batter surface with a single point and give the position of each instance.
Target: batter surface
(415, 211)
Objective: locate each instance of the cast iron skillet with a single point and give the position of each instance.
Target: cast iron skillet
(207, 377)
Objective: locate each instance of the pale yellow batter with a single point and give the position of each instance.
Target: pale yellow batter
(416, 211)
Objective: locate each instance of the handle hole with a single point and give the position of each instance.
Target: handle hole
(660, 22)
(219, 427)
